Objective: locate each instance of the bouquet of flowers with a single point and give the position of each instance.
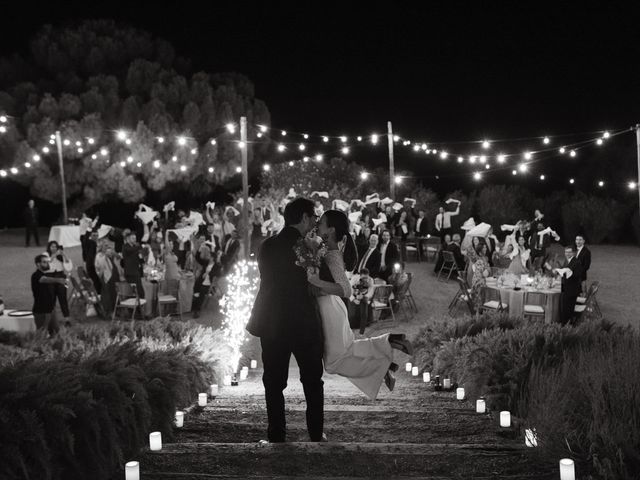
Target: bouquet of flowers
(309, 253)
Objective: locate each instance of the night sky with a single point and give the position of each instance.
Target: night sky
(440, 73)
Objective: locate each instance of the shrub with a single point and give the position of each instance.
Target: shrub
(598, 218)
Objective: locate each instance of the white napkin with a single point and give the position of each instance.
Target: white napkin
(355, 216)
(412, 200)
(340, 205)
(320, 194)
(169, 207)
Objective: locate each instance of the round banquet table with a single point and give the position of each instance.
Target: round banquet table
(515, 299)
(151, 290)
(22, 324)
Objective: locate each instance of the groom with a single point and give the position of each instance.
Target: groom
(284, 317)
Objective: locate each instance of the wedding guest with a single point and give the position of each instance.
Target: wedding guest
(227, 227)
(583, 254)
(481, 270)
(440, 257)
(389, 255)
(156, 244)
(87, 223)
(454, 247)
(212, 237)
(131, 262)
(523, 230)
(362, 240)
(59, 267)
(89, 256)
(537, 218)
(539, 242)
(116, 235)
(256, 232)
(571, 275)
(171, 268)
(108, 274)
(207, 271)
(231, 252)
(43, 296)
(519, 255)
(421, 228)
(443, 219)
(402, 231)
(30, 216)
(370, 259)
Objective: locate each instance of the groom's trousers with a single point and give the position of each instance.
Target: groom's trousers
(276, 354)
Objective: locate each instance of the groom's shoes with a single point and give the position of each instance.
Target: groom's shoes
(390, 380)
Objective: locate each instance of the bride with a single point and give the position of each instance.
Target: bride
(366, 362)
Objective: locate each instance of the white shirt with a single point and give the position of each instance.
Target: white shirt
(443, 220)
(419, 222)
(383, 251)
(578, 252)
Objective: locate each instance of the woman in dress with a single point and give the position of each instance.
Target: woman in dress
(519, 255)
(172, 270)
(60, 267)
(109, 274)
(481, 270)
(366, 362)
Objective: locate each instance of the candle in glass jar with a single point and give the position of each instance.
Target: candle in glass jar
(408, 366)
(179, 419)
(460, 393)
(132, 471)
(414, 371)
(214, 390)
(227, 380)
(254, 364)
(567, 469)
(446, 383)
(155, 441)
(244, 374)
(481, 406)
(202, 399)
(505, 419)
(426, 377)
(530, 438)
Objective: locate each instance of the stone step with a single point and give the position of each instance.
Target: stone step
(324, 460)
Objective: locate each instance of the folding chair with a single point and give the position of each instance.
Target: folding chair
(491, 301)
(82, 273)
(432, 246)
(534, 304)
(462, 295)
(401, 294)
(409, 295)
(412, 245)
(381, 300)
(170, 296)
(448, 264)
(92, 296)
(127, 297)
(76, 294)
(590, 303)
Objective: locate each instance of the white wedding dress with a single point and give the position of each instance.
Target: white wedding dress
(364, 362)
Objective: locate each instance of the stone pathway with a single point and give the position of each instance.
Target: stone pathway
(412, 432)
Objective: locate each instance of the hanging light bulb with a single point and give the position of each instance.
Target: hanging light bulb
(3, 173)
(487, 166)
(3, 119)
(359, 138)
(123, 164)
(231, 128)
(460, 159)
(45, 150)
(127, 141)
(573, 153)
(398, 180)
(572, 181)
(129, 159)
(443, 155)
(483, 159)
(66, 142)
(396, 138)
(259, 135)
(156, 164)
(477, 176)
(424, 146)
(14, 170)
(3, 129)
(542, 177)
(238, 169)
(606, 135)
(78, 143)
(486, 144)
(546, 140)
(325, 139)
(91, 141)
(562, 150)
(301, 147)
(263, 128)
(416, 148)
(345, 150)
(472, 159)
(182, 141)
(36, 158)
(52, 142)
(306, 136)
(266, 167)
(319, 158)
(27, 165)
(306, 159)
(291, 163)
(213, 141)
(183, 168)
(160, 139)
(194, 151)
(343, 139)
(241, 144)
(281, 148)
(121, 135)
(211, 169)
(364, 176)
(631, 185)
(523, 167)
(601, 184)
(283, 133)
(514, 172)
(374, 139)
(138, 164)
(104, 152)
(80, 150)
(599, 141)
(502, 158)
(528, 155)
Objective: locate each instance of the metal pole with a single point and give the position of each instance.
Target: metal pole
(65, 217)
(638, 148)
(392, 174)
(245, 186)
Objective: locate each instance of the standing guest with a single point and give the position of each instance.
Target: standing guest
(422, 225)
(370, 259)
(44, 296)
(59, 267)
(87, 223)
(443, 219)
(519, 255)
(362, 240)
(207, 271)
(156, 244)
(583, 254)
(116, 235)
(108, 273)
(89, 256)
(481, 270)
(131, 262)
(402, 231)
(217, 227)
(231, 251)
(539, 242)
(523, 230)
(389, 255)
(212, 238)
(171, 268)
(537, 218)
(454, 247)
(30, 216)
(256, 232)
(571, 275)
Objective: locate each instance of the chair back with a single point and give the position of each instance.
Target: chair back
(496, 271)
(126, 290)
(82, 273)
(402, 286)
(535, 298)
(378, 281)
(90, 289)
(448, 257)
(594, 288)
(171, 287)
(490, 294)
(382, 293)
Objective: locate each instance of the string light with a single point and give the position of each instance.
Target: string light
(36, 158)
(601, 184)
(231, 128)
(291, 163)
(3, 129)
(398, 180)
(3, 119)
(104, 152)
(416, 148)
(27, 165)
(487, 166)
(562, 150)
(259, 135)
(139, 164)
(396, 138)
(3, 173)
(238, 170)
(123, 164)
(599, 141)
(14, 170)
(444, 155)
(523, 167)
(528, 155)
(66, 142)
(572, 153)
(345, 150)
(424, 147)
(542, 177)
(263, 128)
(472, 159)
(213, 142)
(211, 169)
(52, 142)
(325, 139)
(80, 150)
(129, 159)
(306, 136)
(571, 181)
(319, 158)
(606, 135)
(374, 139)
(483, 159)
(477, 176)
(91, 141)
(364, 176)
(241, 145)
(183, 168)
(460, 159)
(283, 133)
(631, 185)
(128, 141)
(266, 167)
(306, 159)
(359, 138)
(343, 139)
(281, 148)
(174, 159)
(160, 139)
(546, 140)
(486, 144)
(94, 156)
(121, 135)
(502, 158)
(182, 141)
(194, 151)
(514, 172)
(301, 147)
(78, 143)
(156, 164)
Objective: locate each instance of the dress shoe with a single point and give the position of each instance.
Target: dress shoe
(390, 380)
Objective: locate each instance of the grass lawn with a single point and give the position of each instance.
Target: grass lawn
(616, 267)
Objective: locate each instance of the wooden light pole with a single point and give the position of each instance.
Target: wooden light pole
(65, 217)
(245, 187)
(392, 175)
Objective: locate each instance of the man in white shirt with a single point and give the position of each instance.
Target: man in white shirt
(371, 258)
(443, 219)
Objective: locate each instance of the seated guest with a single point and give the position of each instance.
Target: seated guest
(571, 274)
(370, 258)
(59, 267)
(440, 257)
(89, 256)
(454, 247)
(481, 270)
(170, 260)
(44, 298)
(108, 273)
(583, 254)
(501, 257)
(389, 255)
(230, 252)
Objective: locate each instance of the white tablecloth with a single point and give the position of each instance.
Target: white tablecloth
(69, 235)
(17, 324)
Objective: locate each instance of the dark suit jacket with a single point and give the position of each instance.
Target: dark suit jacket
(424, 227)
(585, 260)
(391, 257)
(457, 255)
(373, 263)
(284, 308)
(30, 217)
(231, 254)
(573, 285)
